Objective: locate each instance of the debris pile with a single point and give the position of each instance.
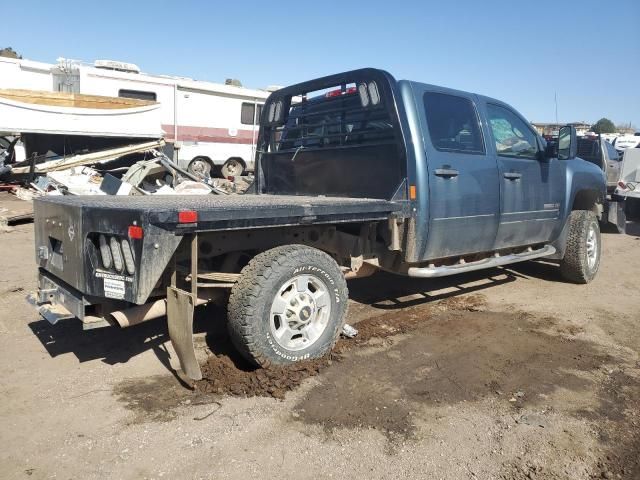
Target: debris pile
(139, 169)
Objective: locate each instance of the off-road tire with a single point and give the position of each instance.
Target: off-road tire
(575, 267)
(251, 297)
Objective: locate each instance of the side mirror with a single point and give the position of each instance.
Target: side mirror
(567, 143)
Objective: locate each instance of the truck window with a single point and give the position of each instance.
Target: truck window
(589, 150)
(512, 135)
(247, 111)
(139, 94)
(453, 123)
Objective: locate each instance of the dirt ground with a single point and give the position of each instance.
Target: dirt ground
(505, 374)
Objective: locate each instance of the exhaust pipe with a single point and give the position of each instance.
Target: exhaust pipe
(143, 313)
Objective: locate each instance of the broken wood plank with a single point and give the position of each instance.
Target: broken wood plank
(74, 100)
(90, 158)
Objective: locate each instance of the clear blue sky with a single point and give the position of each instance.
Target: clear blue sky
(518, 51)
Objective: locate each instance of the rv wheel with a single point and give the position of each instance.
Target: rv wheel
(200, 166)
(232, 168)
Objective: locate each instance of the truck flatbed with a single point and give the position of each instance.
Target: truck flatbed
(217, 212)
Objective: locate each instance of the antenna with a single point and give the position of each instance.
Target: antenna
(555, 94)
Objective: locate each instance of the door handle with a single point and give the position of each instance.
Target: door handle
(512, 175)
(446, 172)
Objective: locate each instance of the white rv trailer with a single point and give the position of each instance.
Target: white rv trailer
(57, 113)
(212, 124)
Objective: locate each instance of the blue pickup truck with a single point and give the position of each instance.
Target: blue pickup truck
(355, 172)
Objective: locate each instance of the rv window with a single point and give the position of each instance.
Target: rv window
(139, 94)
(247, 114)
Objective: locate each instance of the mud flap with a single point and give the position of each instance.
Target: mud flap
(614, 214)
(180, 305)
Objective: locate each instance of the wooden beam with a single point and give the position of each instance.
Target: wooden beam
(74, 100)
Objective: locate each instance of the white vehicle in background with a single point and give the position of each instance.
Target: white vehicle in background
(609, 137)
(622, 142)
(629, 183)
(213, 126)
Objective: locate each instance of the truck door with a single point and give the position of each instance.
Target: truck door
(613, 160)
(464, 193)
(531, 186)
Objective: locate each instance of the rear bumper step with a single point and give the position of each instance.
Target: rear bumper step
(495, 261)
(57, 301)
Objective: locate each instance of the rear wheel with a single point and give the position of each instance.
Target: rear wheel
(582, 256)
(289, 305)
(232, 168)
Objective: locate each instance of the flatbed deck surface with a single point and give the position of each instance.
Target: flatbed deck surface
(238, 211)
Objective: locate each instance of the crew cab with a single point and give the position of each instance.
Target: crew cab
(355, 172)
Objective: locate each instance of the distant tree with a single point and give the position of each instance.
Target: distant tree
(9, 52)
(604, 125)
(233, 82)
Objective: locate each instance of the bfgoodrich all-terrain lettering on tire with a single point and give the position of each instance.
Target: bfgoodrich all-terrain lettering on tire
(582, 256)
(289, 305)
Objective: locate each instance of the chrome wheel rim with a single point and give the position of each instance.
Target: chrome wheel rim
(300, 312)
(592, 247)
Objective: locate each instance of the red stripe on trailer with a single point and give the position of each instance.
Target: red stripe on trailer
(187, 133)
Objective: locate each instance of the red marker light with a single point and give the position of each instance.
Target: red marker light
(188, 216)
(135, 232)
(337, 93)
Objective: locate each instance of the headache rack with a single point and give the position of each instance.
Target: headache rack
(333, 121)
(337, 136)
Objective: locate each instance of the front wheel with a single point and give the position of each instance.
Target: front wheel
(582, 256)
(289, 305)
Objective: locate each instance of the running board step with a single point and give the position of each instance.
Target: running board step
(495, 261)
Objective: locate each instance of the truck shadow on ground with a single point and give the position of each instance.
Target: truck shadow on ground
(115, 345)
(387, 291)
(112, 345)
(548, 269)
